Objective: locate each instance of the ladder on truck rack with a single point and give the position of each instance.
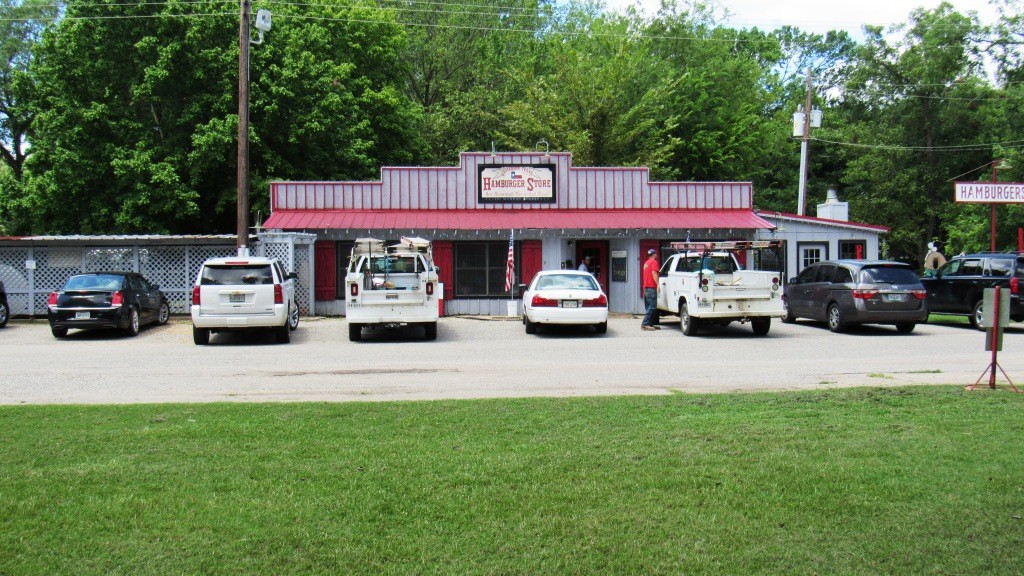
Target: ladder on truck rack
(726, 245)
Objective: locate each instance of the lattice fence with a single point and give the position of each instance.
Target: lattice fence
(173, 267)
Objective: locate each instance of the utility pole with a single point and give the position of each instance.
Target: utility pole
(243, 131)
(802, 196)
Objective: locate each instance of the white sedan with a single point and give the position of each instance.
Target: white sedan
(565, 297)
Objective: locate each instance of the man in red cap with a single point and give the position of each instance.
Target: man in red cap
(649, 282)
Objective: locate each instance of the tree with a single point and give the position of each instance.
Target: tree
(913, 103)
(137, 115)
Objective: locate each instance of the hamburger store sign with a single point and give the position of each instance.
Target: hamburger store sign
(519, 183)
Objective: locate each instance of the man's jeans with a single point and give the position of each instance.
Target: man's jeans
(651, 301)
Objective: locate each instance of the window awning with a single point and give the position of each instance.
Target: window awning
(519, 219)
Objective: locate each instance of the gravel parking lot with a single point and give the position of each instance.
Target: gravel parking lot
(479, 358)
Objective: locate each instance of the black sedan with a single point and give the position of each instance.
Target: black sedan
(118, 300)
(5, 309)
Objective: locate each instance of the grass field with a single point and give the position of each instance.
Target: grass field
(859, 481)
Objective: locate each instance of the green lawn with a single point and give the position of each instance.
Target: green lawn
(925, 480)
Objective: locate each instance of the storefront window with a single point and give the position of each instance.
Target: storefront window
(851, 249)
(480, 268)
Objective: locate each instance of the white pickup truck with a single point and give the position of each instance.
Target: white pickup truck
(704, 283)
(392, 286)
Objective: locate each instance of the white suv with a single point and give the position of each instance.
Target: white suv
(243, 293)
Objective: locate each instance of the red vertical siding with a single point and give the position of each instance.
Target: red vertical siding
(532, 261)
(444, 258)
(325, 268)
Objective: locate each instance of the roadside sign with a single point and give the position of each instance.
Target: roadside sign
(989, 192)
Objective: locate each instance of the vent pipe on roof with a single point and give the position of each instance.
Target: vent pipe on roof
(833, 209)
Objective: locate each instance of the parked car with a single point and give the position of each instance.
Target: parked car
(5, 308)
(118, 300)
(959, 286)
(243, 293)
(847, 292)
(568, 297)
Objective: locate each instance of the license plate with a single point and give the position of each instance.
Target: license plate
(82, 315)
(570, 304)
(233, 298)
(391, 296)
(895, 297)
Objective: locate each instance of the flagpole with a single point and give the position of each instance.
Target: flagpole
(511, 244)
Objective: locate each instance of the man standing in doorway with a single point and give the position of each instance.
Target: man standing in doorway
(650, 286)
(585, 265)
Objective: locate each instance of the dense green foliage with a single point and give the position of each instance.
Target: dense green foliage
(131, 108)
(921, 480)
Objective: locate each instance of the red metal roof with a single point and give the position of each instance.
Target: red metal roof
(506, 219)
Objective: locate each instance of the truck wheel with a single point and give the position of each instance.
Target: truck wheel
(601, 328)
(430, 330)
(58, 332)
(293, 318)
(976, 316)
(905, 327)
(355, 332)
(687, 323)
(761, 325)
(835, 318)
(200, 336)
(283, 334)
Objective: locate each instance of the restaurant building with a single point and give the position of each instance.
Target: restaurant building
(555, 214)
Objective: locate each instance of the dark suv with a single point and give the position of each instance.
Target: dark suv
(958, 287)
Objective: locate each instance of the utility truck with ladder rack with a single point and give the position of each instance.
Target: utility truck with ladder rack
(704, 283)
(391, 286)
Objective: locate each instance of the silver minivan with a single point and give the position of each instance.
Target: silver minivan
(847, 292)
(243, 293)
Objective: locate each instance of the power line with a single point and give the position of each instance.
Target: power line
(953, 148)
(498, 10)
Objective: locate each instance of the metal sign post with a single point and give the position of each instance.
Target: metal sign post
(995, 316)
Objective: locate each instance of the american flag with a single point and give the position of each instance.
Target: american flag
(510, 265)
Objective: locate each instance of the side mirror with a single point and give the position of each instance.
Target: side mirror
(437, 270)
(521, 288)
(155, 286)
(291, 276)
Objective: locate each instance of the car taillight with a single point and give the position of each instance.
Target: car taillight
(195, 295)
(430, 288)
(703, 281)
(1014, 285)
(599, 302)
(864, 294)
(353, 289)
(278, 294)
(117, 298)
(540, 301)
(920, 294)
(51, 300)
(775, 283)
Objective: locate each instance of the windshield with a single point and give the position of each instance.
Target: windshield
(888, 275)
(393, 264)
(237, 274)
(94, 282)
(566, 282)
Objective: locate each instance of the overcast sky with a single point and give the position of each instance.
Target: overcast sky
(818, 16)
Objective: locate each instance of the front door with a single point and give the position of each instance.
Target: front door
(597, 250)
